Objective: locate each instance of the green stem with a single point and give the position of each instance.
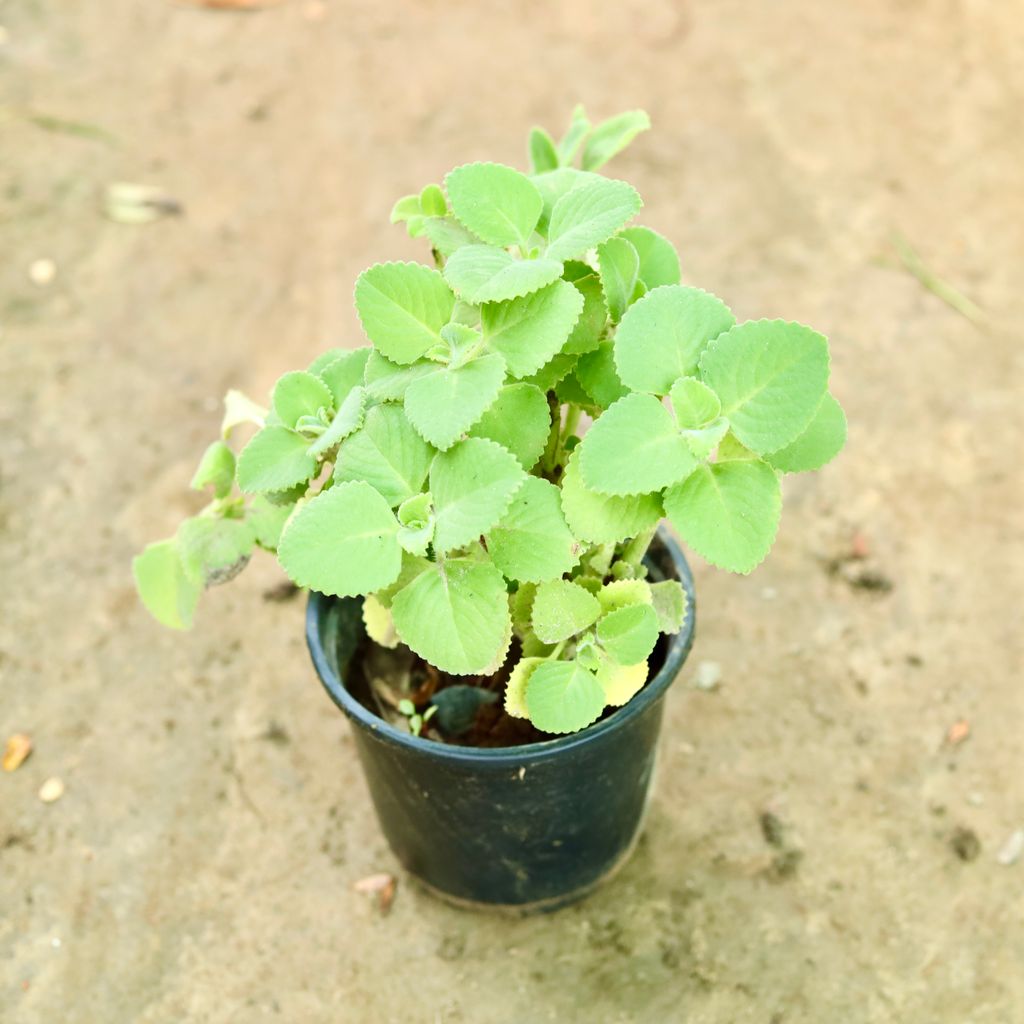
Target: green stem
(572, 419)
(551, 449)
(636, 549)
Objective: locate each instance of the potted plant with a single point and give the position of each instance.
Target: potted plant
(492, 600)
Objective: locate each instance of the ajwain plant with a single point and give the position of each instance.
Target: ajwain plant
(442, 471)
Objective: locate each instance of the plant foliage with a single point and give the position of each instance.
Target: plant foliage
(443, 472)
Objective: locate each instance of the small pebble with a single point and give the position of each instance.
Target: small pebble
(769, 593)
(966, 845)
(1012, 849)
(51, 790)
(708, 675)
(19, 746)
(42, 272)
(975, 799)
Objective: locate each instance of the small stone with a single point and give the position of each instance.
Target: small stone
(19, 746)
(1012, 849)
(51, 790)
(42, 272)
(965, 843)
(769, 593)
(708, 675)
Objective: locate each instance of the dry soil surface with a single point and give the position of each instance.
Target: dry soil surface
(200, 865)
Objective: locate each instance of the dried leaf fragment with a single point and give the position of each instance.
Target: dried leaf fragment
(381, 885)
(128, 203)
(19, 746)
(958, 732)
(51, 790)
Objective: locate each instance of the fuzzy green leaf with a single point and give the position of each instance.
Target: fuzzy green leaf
(579, 128)
(818, 444)
(345, 372)
(771, 377)
(629, 634)
(387, 381)
(214, 549)
(702, 441)
(659, 261)
(589, 215)
(662, 336)
(529, 331)
(325, 359)
(597, 376)
(694, 403)
(239, 409)
(473, 484)
(342, 542)
(562, 609)
(267, 521)
(447, 235)
(561, 697)
(166, 591)
(515, 688)
(433, 202)
(455, 615)
(621, 682)
(613, 136)
(274, 460)
(619, 265)
(552, 185)
(217, 469)
(444, 404)
(484, 273)
(728, 512)
(587, 333)
(519, 419)
(299, 394)
(623, 593)
(346, 420)
(380, 627)
(387, 453)
(402, 307)
(542, 152)
(531, 543)
(600, 518)
(634, 448)
(668, 598)
(552, 372)
(496, 203)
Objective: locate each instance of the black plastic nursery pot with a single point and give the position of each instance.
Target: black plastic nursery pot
(525, 828)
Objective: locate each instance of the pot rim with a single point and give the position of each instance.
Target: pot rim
(679, 646)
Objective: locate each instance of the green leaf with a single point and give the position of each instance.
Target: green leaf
(267, 521)
(730, 450)
(388, 382)
(342, 542)
(274, 460)
(412, 566)
(515, 688)
(819, 443)
(405, 209)
(552, 185)
(587, 333)
(600, 518)
(531, 330)
(521, 604)
(561, 696)
(552, 372)
(402, 307)
(694, 403)
(299, 394)
(597, 376)
(214, 549)
(166, 591)
(239, 409)
(496, 203)
(634, 448)
(444, 404)
(347, 419)
(659, 262)
(589, 215)
(702, 441)
(621, 682)
(387, 453)
(519, 419)
(613, 136)
(326, 358)
(668, 598)
(345, 372)
(380, 627)
(484, 273)
(416, 516)
(216, 468)
(728, 512)
(579, 127)
(473, 484)
(623, 593)
(662, 336)
(629, 634)
(619, 263)
(771, 377)
(455, 615)
(543, 155)
(531, 543)
(562, 609)
(447, 235)
(433, 202)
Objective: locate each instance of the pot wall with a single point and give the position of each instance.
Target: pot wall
(530, 827)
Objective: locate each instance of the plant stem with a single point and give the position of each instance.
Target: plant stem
(551, 449)
(636, 549)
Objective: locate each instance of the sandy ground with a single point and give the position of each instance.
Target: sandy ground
(200, 865)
